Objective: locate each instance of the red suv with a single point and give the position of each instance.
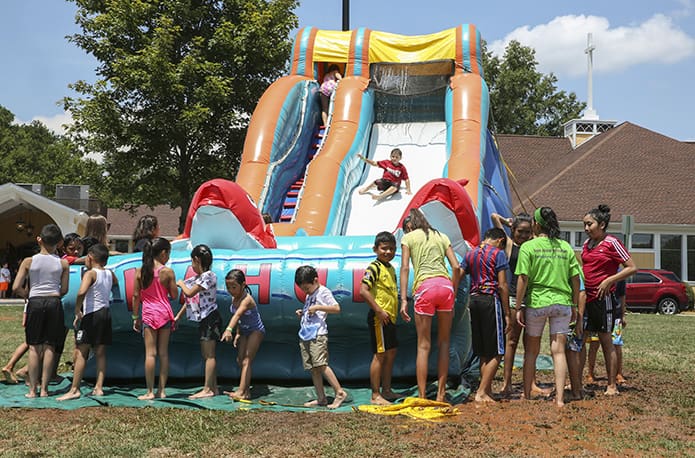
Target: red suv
(656, 290)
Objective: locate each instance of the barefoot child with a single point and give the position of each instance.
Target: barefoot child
(250, 330)
(390, 182)
(379, 290)
(313, 335)
(201, 306)
(48, 281)
(8, 370)
(154, 284)
(92, 320)
(489, 306)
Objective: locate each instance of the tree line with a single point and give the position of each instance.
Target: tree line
(176, 83)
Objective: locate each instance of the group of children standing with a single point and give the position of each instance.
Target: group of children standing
(549, 287)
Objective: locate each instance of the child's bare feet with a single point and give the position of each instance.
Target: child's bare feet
(22, 373)
(339, 398)
(611, 391)
(484, 397)
(589, 379)
(30, 394)
(146, 397)
(44, 394)
(316, 403)
(97, 392)
(390, 395)
(507, 390)
(204, 393)
(620, 380)
(72, 394)
(9, 375)
(161, 394)
(380, 401)
(543, 392)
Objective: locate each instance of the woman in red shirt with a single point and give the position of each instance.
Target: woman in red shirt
(602, 254)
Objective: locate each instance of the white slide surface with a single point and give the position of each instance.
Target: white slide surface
(424, 156)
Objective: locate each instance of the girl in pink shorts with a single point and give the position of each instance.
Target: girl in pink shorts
(433, 292)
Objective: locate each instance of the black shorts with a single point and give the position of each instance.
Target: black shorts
(383, 337)
(45, 321)
(487, 325)
(95, 328)
(601, 314)
(383, 185)
(210, 327)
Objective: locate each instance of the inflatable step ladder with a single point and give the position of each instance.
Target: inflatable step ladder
(290, 203)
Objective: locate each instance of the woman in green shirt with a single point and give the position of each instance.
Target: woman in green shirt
(548, 275)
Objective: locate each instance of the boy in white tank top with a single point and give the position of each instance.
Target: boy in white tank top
(47, 277)
(92, 320)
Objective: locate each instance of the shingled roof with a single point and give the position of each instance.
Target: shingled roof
(632, 169)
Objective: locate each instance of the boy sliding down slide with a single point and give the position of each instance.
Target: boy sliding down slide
(390, 182)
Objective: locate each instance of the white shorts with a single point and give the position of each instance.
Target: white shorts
(558, 316)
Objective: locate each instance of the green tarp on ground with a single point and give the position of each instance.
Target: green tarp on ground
(264, 396)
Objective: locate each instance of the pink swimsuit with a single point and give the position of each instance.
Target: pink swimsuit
(156, 309)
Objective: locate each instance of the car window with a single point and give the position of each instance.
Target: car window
(644, 277)
(671, 276)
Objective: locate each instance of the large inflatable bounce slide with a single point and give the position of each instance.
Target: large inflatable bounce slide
(422, 94)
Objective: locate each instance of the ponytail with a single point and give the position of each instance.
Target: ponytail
(150, 251)
(547, 220)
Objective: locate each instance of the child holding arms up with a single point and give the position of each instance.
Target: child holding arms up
(92, 320)
(390, 182)
(313, 335)
(48, 282)
(154, 284)
(379, 290)
(201, 306)
(250, 330)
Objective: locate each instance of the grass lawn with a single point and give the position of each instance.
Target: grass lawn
(653, 416)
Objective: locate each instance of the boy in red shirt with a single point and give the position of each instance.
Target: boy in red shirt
(394, 173)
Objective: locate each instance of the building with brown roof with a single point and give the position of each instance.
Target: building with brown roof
(637, 172)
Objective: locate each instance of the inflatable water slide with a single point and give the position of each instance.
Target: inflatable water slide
(422, 94)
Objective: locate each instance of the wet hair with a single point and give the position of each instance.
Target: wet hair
(151, 250)
(51, 235)
(203, 253)
(549, 226)
(384, 237)
(145, 227)
(521, 218)
(305, 274)
(71, 237)
(397, 151)
(97, 227)
(602, 214)
(267, 218)
(100, 253)
(417, 220)
(239, 277)
(495, 233)
(333, 67)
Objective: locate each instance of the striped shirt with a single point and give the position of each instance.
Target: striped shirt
(483, 264)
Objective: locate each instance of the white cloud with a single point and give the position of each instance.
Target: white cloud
(560, 43)
(56, 122)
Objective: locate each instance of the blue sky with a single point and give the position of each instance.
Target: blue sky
(644, 61)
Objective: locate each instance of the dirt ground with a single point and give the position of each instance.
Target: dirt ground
(635, 423)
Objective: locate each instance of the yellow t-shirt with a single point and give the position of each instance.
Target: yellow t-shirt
(381, 280)
(427, 254)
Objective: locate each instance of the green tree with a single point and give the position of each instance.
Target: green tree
(31, 153)
(523, 100)
(177, 80)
